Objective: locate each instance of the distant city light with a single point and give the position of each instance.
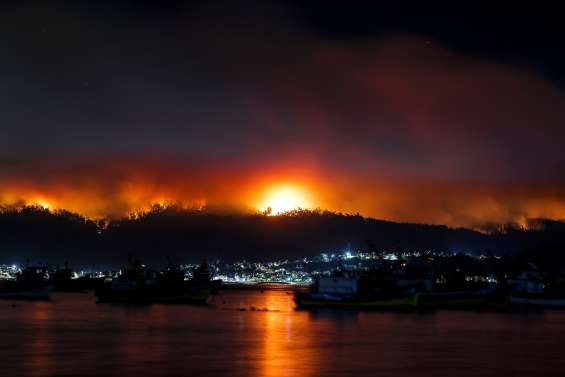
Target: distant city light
(300, 271)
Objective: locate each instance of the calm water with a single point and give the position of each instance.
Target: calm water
(72, 335)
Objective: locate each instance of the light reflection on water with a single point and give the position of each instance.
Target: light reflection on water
(260, 334)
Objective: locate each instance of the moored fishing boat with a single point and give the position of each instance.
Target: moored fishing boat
(32, 283)
(350, 290)
(533, 288)
(65, 280)
(139, 284)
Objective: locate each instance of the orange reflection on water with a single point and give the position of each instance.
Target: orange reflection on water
(286, 342)
(40, 350)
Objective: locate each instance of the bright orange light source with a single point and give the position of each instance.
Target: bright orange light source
(42, 203)
(285, 198)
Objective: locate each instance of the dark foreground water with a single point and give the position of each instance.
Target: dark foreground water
(72, 335)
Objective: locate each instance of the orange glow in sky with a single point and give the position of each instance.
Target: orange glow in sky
(42, 203)
(285, 197)
(284, 190)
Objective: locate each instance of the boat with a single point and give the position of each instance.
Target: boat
(531, 288)
(378, 289)
(139, 284)
(353, 290)
(64, 280)
(32, 283)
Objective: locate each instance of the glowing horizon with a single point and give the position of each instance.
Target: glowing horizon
(419, 202)
(285, 197)
(435, 138)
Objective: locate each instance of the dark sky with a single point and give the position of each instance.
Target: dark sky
(429, 113)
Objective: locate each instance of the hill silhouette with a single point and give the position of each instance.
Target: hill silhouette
(44, 236)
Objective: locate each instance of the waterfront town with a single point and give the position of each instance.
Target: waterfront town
(484, 268)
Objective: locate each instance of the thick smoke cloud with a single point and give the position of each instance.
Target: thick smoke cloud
(104, 112)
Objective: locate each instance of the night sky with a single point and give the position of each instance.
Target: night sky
(452, 115)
